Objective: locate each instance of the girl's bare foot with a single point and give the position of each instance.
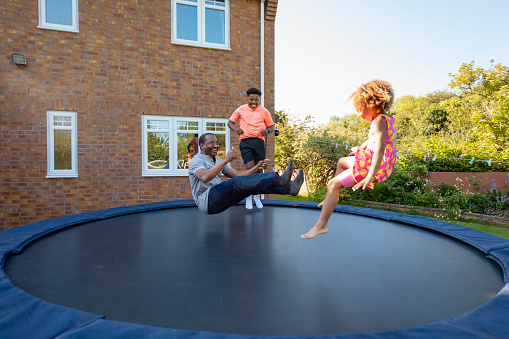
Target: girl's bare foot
(320, 204)
(315, 230)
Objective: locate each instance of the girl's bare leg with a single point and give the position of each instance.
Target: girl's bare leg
(329, 203)
(342, 166)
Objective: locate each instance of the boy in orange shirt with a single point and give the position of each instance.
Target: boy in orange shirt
(255, 124)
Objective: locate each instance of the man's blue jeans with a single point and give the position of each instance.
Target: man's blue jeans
(230, 192)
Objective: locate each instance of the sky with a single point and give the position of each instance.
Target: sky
(325, 49)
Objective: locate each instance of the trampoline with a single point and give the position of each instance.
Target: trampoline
(167, 270)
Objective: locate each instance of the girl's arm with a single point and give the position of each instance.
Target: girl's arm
(378, 154)
(354, 149)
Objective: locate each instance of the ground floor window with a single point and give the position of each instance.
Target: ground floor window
(62, 144)
(169, 143)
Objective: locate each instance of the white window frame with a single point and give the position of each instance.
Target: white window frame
(172, 122)
(46, 25)
(52, 172)
(201, 5)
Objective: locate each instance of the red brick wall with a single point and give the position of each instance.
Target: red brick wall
(120, 66)
(469, 181)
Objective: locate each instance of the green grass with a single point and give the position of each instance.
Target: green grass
(500, 231)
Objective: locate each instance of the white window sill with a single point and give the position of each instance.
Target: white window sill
(56, 176)
(64, 29)
(170, 174)
(191, 44)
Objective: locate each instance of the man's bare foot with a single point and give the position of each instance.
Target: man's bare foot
(315, 230)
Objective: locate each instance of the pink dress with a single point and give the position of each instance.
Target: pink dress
(363, 158)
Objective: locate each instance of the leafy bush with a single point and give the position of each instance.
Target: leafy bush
(399, 188)
(494, 203)
(402, 189)
(318, 194)
(450, 157)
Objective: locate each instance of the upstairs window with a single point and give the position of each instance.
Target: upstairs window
(202, 23)
(62, 145)
(59, 15)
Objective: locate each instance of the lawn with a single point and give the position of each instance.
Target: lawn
(500, 231)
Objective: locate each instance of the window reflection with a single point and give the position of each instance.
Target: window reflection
(187, 148)
(215, 127)
(62, 150)
(59, 12)
(158, 150)
(214, 26)
(187, 22)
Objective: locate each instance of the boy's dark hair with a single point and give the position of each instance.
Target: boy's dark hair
(254, 90)
(203, 137)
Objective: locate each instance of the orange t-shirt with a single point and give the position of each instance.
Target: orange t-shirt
(252, 122)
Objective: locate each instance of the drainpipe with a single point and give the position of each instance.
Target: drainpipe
(262, 61)
(262, 50)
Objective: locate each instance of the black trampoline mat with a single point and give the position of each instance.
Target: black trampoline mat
(249, 272)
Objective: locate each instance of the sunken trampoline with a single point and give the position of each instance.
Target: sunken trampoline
(167, 270)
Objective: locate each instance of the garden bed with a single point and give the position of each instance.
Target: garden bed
(435, 212)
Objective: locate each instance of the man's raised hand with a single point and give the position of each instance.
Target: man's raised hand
(232, 155)
(263, 164)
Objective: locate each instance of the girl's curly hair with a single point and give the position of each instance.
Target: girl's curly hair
(376, 93)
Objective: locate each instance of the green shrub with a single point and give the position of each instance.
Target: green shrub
(402, 189)
(493, 203)
(318, 194)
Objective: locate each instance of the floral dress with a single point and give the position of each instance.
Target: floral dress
(363, 158)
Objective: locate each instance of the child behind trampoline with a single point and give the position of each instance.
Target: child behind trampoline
(371, 162)
(255, 124)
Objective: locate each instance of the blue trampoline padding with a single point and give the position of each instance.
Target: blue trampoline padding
(24, 316)
(15, 239)
(121, 330)
(502, 258)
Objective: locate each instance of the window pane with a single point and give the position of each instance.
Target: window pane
(62, 150)
(66, 121)
(61, 121)
(221, 138)
(158, 150)
(216, 126)
(214, 26)
(158, 124)
(187, 125)
(58, 121)
(187, 147)
(187, 22)
(219, 3)
(59, 12)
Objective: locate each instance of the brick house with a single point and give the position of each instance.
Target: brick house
(113, 92)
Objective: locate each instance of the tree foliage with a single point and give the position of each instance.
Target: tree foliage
(469, 120)
(486, 91)
(292, 133)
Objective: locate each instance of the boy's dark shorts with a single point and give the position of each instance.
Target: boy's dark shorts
(252, 149)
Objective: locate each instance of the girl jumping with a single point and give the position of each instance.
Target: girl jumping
(371, 162)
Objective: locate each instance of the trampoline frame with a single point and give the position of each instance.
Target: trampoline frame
(22, 315)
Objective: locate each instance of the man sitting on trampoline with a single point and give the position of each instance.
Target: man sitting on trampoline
(213, 196)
